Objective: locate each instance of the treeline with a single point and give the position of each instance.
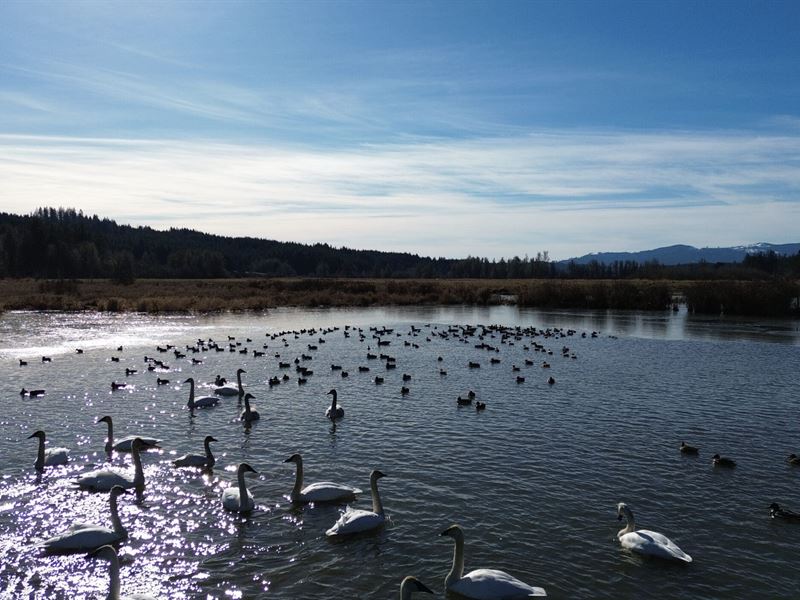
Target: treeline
(65, 243)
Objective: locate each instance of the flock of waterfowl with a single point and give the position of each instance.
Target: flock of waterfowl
(487, 584)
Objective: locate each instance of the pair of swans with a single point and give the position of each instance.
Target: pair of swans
(109, 554)
(202, 401)
(482, 584)
(230, 389)
(81, 537)
(322, 491)
(643, 541)
(206, 460)
(126, 443)
(334, 411)
(103, 480)
(358, 521)
(239, 499)
(50, 457)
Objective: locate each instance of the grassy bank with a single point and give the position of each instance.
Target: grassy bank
(209, 295)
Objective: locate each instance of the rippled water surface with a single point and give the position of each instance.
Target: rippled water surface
(533, 480)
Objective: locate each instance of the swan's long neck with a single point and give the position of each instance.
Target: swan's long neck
(115, 520)
(377, 507)
(113, 573)
(138, 477)
(247, 409)
(298, 480)
(210, 460)
(39, 464)
(110, 440)
(242, 489)
(458, 561)
(333, 407)
(239, 381)
(630, 527)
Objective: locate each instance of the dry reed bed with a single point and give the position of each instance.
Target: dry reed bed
(210, 295)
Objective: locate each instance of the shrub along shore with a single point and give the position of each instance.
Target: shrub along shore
(757, 298)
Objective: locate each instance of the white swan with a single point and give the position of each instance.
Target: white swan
(647, 542)
(81, 537)
(206, 460)
(108, 553)
(483, 584)
(411, 585)
(126, 443)
(322, 491)
(249, 413)
(51, 457)
(102, 480)
(232, 390)
(356, 521)
(334, 412)
(239, 499)
(202, 401)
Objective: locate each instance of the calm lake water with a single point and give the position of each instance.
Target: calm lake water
(533, 480)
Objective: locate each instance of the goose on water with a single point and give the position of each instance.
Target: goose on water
(229, 389)
(334, 411)
(239, 498)
(410, 585)
(687, 449)
(322, 491)
(357, 521)
(482, 584)
(776, 512)
(249, 413)
(793, 459)
(723, 461)
(202, 401)
(206, 460)
(108, 553)
(81, 537)
(51, 457)
(103, 480)
(648, 543)
(126, 443)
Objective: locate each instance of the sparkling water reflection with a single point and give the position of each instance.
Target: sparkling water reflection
(533, 480)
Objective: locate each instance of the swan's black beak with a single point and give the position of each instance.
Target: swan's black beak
(421, 587)
(619, 517)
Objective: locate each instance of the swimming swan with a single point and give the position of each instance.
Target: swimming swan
(202, 401)
(239, 499)
(411, 585)
(103, 480)
(230, 389)
(356, 521)
(249, 413)
(81, 537)
(126, 443)
(108, 553)
(647, 542)
(322, 491)
(206, 460)
(334, 412)
(482, 584)
(51, 457)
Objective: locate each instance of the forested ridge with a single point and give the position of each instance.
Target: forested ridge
(65, 243)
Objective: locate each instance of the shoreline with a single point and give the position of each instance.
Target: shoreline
(762, 298)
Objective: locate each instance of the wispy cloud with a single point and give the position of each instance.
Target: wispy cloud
(565, 191)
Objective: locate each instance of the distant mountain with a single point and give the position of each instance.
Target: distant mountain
(681, 254)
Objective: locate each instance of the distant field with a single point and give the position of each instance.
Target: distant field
(209, 295)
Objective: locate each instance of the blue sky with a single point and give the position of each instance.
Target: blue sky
(441, 128)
